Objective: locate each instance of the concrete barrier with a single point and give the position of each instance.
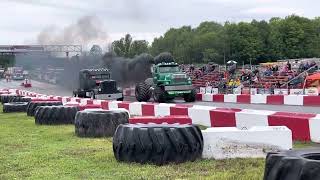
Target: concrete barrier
(293, 100)
(280, 99)
(248, 118)
(162, 109)
(200, 115)
(230, 142)
(314, 124)
(259, 99)
(304, 127)
(135, 108)
(230, 98)
(113, 105)
(207, 97)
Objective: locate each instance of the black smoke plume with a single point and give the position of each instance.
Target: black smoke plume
(128, 72)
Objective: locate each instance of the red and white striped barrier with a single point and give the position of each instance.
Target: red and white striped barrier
(304, 127)
(295, 100)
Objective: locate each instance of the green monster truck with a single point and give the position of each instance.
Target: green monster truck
(167, 83)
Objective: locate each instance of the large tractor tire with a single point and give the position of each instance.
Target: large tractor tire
(51, 115)
(159, 94)
(191, 97)
(5, 98)
(15, 107)
(143, 92)
(33, 105)
(164, 57)
(157, 144)
(99, 123)
(293, 165)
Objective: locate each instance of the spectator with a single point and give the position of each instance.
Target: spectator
(301, 67)
(288, 66)
(278, 85)
(306, 66)
(237, 83)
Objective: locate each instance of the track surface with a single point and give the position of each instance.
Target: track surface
(50, 89)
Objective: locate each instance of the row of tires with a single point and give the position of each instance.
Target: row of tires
(159, 144)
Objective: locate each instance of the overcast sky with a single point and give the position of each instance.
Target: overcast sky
(22, 20)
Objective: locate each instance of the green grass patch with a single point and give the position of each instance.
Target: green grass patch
(29, 151)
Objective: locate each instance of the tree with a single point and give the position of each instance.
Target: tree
(96, 50)
(256, 41)
(126, 47)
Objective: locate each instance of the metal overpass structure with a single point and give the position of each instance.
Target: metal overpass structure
(40, 49)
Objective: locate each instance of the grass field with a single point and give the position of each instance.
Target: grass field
(29, 151)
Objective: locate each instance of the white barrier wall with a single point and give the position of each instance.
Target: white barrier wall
(114, 104)
(230, 98)
(97, 102)
(207, 97)
(314, 125)
(200, 115)
(162, 109)
(230, 142)
(135, 108)
(293, 100)
(83, 101)
(248, 118)
(259, 99)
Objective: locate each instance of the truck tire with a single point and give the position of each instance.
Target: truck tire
(190, 97)
(143, 92)
(164, 57)
(120, 99)
(5, 98)
(157, 144)
(20, 99)
(15, 107)
(51, 115)
(99, 123)
(159, 95)
(293, 165)
(31, 108)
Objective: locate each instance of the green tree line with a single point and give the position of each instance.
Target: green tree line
(255, 41)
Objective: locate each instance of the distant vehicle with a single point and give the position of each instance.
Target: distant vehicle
(16, 73)
(97, 84)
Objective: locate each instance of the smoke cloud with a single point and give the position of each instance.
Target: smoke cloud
(86, 30)
(128, 72)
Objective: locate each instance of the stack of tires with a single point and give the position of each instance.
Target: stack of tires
(53, 115)
(99, 123)
(5, 98)
(31, 109)
(14, 103)
(15, 107)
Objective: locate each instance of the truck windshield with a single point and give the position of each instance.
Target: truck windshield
(168, 69)
(100, 76)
